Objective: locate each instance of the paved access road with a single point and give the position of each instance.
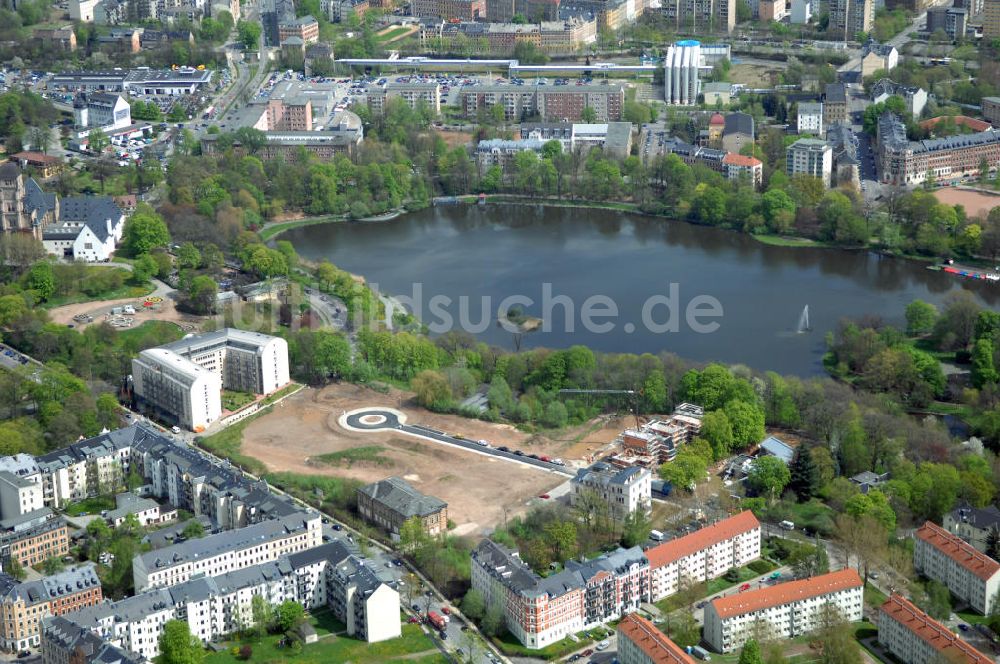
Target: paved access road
(382, 419)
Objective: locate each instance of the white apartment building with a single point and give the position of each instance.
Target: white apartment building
(916, 638)
(783, 611)
(184, 380)
(226, 552)
(414, 94)
(624, 490)
(87, 468)
(216, 606)
(188, 393)
(801, 12)
(102, 109)
(810, 156)
(704, 554)
(641, 642)
(82, 10)
(681, 84)
(19, 495)
(969, 574)
(810, 119)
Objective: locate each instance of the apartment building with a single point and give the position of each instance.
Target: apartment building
(305, 28)
(414, 94)
(972, 524)
(464, 10)
(738, 132)
(878, 57)
(951, 20)
(915, 98)
(542, 611)
(903, 162)
(915, 638)
(741, 167)
(325, 145)
(217, 605)
(226, 551)
(991, 109)
(810, 118)
(33, 538)
(19, 495)
(550, 103)
(700, 16)
(812, 157)
(86, 468)
(23, 606)
(848, 18)
(640, 642)
(184, 380)
(835, 104)
(294, 114)
(991, 19)
(783, 611)
(970, 575)
(390, 502)
(63, 642)
(703, 555)
(502, 152)
(624, 490)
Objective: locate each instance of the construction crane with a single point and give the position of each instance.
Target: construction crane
(633, 394)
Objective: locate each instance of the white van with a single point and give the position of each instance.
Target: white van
(656, 535)
(787, 525)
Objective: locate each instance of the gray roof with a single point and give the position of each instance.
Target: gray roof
(229, 540)
(397, 494)
(94, 212)
(15, 480)
(82, 578)
(836, 93)
(9, 170)
(101, 445)
(129, 503)
(980, 518)
(607, 474)
(72, 638)
(777, 448)
(618, 135)
(506, 565)
(739, 123)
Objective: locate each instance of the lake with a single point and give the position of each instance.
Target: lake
(625, 283)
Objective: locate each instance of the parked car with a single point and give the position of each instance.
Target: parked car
(603, 645)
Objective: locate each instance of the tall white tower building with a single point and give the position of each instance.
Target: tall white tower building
(680, 77)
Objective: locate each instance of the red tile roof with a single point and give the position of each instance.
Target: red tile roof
(668, 552)
(717, 119)
(958, 550)
(785, 593)
(960, 120)
(653, 642)
(741, 160)
(37, 157)
(932, 632)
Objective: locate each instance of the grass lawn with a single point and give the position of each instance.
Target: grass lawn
(336, 649)
(91, 505)
(365, 453)
(784, 241)
(287, 389)
(277, 228)
(874, 597)
(233, 401)
(158, 331)
(510, 646)
(324, 622)
(971, 617)
(392, 34)
(124, 291)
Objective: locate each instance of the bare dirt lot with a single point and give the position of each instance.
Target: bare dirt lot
(476, 487)
(163, 311)
(977, 204)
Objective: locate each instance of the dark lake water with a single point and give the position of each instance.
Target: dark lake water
(575, 254)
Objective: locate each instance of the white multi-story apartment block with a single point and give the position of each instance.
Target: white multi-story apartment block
(916, 638)
(810, 156)
(969, 574)
(681, 84)
(216, 606)
(625, 490)
(18, 495)
(783, 611)
(640, 642)
(413, 94)
(810, 119)
(226, 551)
(704, 554)
(87, 468)
(540, 611)
(184, 380)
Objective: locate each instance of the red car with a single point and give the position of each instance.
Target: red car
(545, 496)
(587, 653)
(445, 610)
(745, 586)
(413, 619)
